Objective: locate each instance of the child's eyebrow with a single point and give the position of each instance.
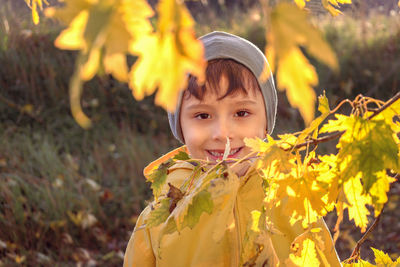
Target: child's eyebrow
(198, 106)
(245, 102)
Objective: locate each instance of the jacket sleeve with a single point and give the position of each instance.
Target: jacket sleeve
(139, 251)
(287, 233)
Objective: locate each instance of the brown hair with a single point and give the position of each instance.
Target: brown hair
(240, 79)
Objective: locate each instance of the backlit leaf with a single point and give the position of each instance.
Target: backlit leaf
(357, 202)
(167, 57)
(366, 147)
(308, 255)
(34, 5)
(103, 31)
(382, 259)
(302, 197)
(323, 107)
(108, 25)
(290, 30)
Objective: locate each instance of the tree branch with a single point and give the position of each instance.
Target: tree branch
(338, 134)
(356, 251)
(317, 141)
(386, 105)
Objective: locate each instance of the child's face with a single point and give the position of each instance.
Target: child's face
(207, 123)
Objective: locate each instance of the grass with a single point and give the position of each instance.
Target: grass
(66, 185)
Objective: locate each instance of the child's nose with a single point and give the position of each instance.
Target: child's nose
(222, 130)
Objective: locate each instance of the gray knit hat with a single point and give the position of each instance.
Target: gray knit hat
(225, 45)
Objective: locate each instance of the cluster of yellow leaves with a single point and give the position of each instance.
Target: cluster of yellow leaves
(167, 56)
(353, 178)
(307, 187)
(289, 30)
(34, 5)
(105, 31)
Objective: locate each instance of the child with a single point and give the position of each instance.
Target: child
(232, 104)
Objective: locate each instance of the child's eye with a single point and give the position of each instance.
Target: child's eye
(203, 116)
(242, 113)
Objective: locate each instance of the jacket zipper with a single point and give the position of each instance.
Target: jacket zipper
(238, 235)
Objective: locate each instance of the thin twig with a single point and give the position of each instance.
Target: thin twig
(387, 104)
(356, 250)
(317, 141)
(338, 134)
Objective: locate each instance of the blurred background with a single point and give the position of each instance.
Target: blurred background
(72, 196)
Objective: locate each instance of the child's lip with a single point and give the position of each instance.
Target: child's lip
(221, 152)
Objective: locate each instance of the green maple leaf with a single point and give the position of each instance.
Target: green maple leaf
(367, 146)
(181, 156)
(159, 214)
(202, 202)
(158, 178)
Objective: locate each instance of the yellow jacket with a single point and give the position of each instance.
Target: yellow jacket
(218, 238)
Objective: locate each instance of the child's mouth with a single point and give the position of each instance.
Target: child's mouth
(219, 154)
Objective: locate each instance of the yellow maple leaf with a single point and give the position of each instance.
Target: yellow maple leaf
(290, 30)
(105, 25)
(34, 5)
(308, 255)
(103, 31)
(167, 57)
(379, 190)
(302, 197)
(383, 259)
(357, 202)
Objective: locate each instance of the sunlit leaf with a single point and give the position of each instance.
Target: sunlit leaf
(290, 30)
(323, 107)
(357, 202)
(166, 58)
(308, 255)
(383, 259)
(34, 5)
(366, 147)
(103, 31)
